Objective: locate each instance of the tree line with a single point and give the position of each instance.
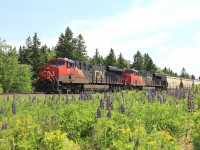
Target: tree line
(19, 70)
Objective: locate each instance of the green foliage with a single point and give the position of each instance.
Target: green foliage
(62, 122)
(13, 76)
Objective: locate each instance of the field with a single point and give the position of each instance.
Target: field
(123, 120)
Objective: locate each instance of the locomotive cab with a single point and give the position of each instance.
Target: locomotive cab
(132, 78)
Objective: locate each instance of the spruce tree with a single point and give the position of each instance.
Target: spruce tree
(121, 63)
(148, 64)
(111, 59)
(138, 61)
(79, 51)
(66, 44)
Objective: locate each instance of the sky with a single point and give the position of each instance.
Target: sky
(168, 30)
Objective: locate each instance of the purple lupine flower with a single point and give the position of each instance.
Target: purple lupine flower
(81, 96)
(99, 112)
(91, 97)
(102, 104)
(137, 143)
(111, 105)
(14, 107)
(4, 126)
(150, 99)
(108, 103)
(2, 111)
(122, 109)
(109, 114)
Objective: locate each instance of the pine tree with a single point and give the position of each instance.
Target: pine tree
(37, 61)
(66, 44)
(96, 58)
(138, 61)
(121, 63)
(111, 59)
(148, 64)
(79, 52)
(184, 74)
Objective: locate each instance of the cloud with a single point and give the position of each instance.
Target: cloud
(137, 28)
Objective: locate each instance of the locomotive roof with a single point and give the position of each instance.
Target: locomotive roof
(69, 60)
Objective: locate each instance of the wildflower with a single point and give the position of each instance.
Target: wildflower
(99, 112)
(4, 126)
(109, 115)
(137, 143)
(2, 111)
(14, 108)
(122, 109)
(102, 104)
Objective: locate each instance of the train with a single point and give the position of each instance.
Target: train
(67, 75)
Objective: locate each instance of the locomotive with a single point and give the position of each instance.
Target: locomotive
(63, 75)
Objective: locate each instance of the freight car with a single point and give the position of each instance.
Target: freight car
(63, 74)
(176, 82)
(196, 82)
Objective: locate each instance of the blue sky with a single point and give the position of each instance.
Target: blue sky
(168, 30)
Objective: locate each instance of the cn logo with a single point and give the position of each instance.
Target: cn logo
(99, 74)
(48, 73)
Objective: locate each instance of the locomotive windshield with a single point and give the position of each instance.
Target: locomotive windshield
(56, 63)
